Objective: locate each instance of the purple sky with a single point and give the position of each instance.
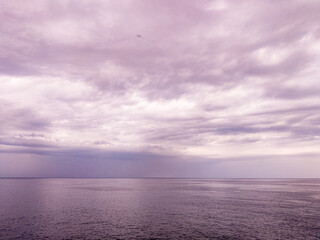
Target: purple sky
(160, 88)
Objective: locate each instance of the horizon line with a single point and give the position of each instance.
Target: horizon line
(213, 178)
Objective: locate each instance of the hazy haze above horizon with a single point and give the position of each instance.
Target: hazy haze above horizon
(159, 88)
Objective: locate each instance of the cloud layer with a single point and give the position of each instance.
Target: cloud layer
(167, 88)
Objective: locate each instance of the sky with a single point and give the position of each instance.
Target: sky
(160, 88)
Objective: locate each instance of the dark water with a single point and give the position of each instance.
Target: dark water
(159, 209)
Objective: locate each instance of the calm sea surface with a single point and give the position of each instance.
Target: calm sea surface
(159, 209)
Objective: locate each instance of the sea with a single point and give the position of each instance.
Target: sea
(151, 208)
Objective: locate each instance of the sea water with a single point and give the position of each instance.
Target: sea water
(160, 208)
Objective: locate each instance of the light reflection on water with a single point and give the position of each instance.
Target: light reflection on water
(159, 208)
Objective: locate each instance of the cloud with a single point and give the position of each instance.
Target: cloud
(21, 118)
(229, 79)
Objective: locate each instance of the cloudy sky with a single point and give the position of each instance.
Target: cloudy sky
(159, 88)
